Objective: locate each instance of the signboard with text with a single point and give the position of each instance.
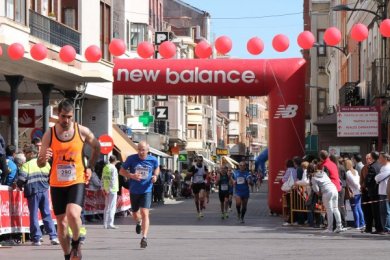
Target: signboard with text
(357, 122)
(220, 151)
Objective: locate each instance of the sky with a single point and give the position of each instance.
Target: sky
(272, 17)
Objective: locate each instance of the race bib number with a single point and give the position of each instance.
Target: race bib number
(143, 171)
(224, 187)
(240, 180)
(66, 172)
(198, 179)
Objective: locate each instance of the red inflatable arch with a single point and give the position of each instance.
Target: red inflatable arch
(281, 79)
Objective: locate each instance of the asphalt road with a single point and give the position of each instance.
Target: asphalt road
(176, 233)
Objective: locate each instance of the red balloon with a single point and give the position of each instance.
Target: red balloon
(16, 51)
(332, 36)
(67, 53)
(1, 51)
(203, 50)
(306, 40)
(280, 42)
(93, 53)
(255, 46)
(38, 51)
(359, 32)
(384, 28)
(145, 50)
(117, 47)
(167, 49)
(223, 44)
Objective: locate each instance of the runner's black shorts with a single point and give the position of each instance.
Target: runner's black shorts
(62, 196)
(196, 187)
(222, 195)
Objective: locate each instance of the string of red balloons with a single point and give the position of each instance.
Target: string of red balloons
(203, 49)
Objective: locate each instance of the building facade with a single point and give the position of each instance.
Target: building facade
(349, 74)
(38, 86)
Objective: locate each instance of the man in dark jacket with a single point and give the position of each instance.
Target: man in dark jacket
(3, 162)
(372, 191)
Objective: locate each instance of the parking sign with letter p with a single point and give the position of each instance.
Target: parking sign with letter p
(160, 37)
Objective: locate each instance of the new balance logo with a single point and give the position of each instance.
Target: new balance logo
(288, 111)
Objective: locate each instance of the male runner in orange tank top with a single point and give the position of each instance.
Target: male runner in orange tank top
(63, 143)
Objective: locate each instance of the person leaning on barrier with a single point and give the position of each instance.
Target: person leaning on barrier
(321, 184)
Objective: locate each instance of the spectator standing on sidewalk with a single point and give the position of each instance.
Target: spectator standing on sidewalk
(3, 162)
(10, 151)
(34, 181)
(110, 190)
(382, 178)
(367, 212)
(372, 189)
(357, 160)
(353, 183)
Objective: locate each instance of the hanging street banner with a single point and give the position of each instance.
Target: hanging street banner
(357, 122)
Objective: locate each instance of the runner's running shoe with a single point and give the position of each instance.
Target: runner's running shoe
(138, 227)
(75, 252)
(144, 242)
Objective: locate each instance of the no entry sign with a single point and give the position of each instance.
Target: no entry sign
(106, 144)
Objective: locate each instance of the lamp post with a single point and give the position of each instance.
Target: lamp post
(347, 8)
(342, 49)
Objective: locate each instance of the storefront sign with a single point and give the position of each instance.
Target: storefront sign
(357, 122)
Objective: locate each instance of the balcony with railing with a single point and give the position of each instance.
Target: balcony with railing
(380, 83)
(53, 32)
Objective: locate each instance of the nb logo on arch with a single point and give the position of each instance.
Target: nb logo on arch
(288, 111)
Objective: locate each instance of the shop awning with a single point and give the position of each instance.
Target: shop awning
(122, 143)
(207, 161)
(230, 161)
(158, 153)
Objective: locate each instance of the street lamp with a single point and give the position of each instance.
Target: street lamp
(347, 8)
(342, 49)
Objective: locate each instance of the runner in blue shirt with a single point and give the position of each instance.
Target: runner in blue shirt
(241, 181)
(142, 170)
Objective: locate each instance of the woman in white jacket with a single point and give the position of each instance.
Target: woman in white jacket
(322, 184)
(353, 182)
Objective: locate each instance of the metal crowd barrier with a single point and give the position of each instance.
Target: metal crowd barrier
(296, 201)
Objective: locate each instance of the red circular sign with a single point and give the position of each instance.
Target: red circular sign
(106, 144)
